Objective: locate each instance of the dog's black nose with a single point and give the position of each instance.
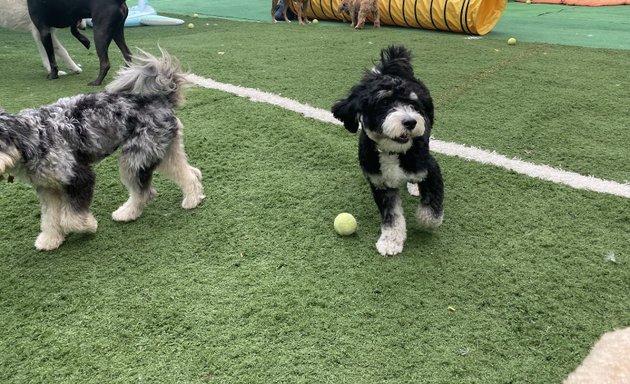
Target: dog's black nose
(409, 124)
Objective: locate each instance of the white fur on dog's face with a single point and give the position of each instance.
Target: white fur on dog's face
(393, 135)
(393, 126)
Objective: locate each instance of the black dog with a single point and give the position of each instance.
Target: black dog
(395, 111)
(108, 18)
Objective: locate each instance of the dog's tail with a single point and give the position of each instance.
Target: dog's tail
(150, 75)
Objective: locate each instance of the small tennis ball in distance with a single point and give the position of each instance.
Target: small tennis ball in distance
(191, 25)
(511, 41)
(315, 21)
(345, 224)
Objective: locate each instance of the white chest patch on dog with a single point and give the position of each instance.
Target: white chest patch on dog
(392, 175)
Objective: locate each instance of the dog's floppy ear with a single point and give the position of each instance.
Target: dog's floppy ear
(347, 111)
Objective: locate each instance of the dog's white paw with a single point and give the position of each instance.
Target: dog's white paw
(126, 213)
(413, 189)
(48, 241)
(387, 246)
(426, 219)
(192, 201)
(193, 194)
(391, 241)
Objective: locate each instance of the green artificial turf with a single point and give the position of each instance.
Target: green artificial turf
(254, 286)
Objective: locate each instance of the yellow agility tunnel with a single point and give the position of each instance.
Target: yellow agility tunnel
(476, 17)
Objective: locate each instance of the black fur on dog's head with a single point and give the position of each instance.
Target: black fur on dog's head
(392, 106)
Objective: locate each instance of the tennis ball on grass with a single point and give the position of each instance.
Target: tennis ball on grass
(511, 41)
(315, 21)
(191, 25)
(345, 224)
(195, 15)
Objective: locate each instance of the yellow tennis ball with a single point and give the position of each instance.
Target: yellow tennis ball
(345, 224)
(315, 21)
(195, 15)
(511, 41)
(191, 25)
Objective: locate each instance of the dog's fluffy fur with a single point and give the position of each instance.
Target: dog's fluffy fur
(52, 148)
(395, 112)
(14, 15)
(608, 361)
(300, 8)
(359, 10)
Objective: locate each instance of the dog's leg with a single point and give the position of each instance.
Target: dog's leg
(40, 48)
(136, 176)
(175, 166)
(354, 16)
(61, 51)
(361, 18)
(75, 212)
(102, 38)
(377, 17)
(274, 4)
(51, 236)
(285, 9)
(82, 39)
(430, 211)
(393, 227)
(304, 18)
(45, 35)
(119, 39)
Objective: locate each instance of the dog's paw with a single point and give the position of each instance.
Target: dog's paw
(388, 246)
(126, 213)
(391, 241)
(48, 241)
(427, 219)
(413, 189)
(193, 196)
(62, 73)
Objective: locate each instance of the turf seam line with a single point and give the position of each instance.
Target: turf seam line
(540, 171)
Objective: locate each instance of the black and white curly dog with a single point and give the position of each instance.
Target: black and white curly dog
(395, 113)
(52, 148)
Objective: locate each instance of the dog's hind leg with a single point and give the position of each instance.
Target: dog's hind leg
(119, 39)
(274, 4)
(47, 41)
(393, 226)
(175, 166)
(430, 212)
(361, 18)
(377, 16)
(75, 211)
(136, 175)
(63, 54)
(52, 235)
(102, 38)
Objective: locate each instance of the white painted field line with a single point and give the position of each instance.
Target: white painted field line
(544, 172)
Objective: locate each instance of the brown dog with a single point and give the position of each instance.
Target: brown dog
(300, 6)
(359, 10)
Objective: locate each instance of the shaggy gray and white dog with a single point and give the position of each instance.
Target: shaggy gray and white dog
(52, 148)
